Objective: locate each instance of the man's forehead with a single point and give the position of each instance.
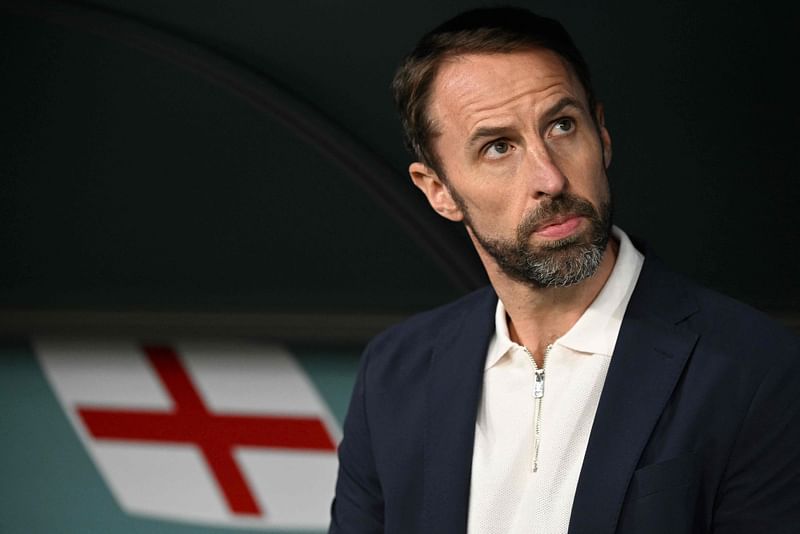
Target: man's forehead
(496, 60)
(484, 82)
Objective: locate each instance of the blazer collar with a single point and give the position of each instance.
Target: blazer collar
(650, 354)
(455, 382)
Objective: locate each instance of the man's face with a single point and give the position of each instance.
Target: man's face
(524, 163)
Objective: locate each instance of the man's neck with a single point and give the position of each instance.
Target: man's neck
(538, 316)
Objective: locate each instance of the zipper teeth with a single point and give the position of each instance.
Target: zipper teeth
(537, 406)
(544, 358)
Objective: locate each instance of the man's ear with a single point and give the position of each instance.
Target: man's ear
(436, 191)
(605, 137)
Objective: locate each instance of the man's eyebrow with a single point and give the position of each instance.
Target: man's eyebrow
(487, 132)
(561, 105)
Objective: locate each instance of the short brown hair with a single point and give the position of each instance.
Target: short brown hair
(482, 30)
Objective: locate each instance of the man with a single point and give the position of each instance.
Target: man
(589, 389)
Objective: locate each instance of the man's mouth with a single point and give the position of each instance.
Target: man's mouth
(559, 227)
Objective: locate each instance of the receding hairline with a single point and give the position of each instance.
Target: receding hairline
(457, 55)
(488, 30)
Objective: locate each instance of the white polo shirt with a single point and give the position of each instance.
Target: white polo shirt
(506, 495)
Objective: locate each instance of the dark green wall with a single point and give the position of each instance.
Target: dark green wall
(128, 182)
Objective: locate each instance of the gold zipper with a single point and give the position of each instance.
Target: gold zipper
(538, 394)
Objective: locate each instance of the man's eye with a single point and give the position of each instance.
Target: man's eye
(563, 126)
(497, 148)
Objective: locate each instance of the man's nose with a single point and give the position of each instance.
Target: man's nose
(544, 175)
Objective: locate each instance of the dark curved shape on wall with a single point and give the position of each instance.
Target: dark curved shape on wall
(455, 257)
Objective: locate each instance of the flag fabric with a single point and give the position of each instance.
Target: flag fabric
(222, 433)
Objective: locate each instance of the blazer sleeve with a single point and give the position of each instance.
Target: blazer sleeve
(760, 491)
(358, 504)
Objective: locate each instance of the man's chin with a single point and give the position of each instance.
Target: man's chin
(561, 264)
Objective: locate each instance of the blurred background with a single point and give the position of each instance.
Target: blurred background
(234, 170)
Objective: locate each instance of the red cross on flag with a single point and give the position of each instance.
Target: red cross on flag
(229, 433)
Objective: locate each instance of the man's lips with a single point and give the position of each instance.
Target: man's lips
(559, 227)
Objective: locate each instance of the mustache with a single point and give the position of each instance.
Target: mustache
(564, 205)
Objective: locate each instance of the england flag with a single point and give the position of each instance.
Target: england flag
(224, 433)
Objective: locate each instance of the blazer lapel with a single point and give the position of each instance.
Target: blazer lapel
(453, 393)
(650, 354)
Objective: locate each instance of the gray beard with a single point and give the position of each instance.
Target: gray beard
(559, 263)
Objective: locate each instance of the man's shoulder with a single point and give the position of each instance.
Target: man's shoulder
(425, 330)
(736, 323)
(733, 326)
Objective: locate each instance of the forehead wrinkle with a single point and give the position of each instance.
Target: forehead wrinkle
(505, 112)
(492, 108)
(468, 95)
(474, 91)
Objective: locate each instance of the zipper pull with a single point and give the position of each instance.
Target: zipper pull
(538, 384)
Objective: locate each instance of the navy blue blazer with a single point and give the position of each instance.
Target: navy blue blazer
(697, 430)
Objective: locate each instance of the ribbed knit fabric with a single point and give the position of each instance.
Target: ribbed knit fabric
(506, 495)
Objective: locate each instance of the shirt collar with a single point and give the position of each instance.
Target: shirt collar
(501, 342)
(597, 329)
